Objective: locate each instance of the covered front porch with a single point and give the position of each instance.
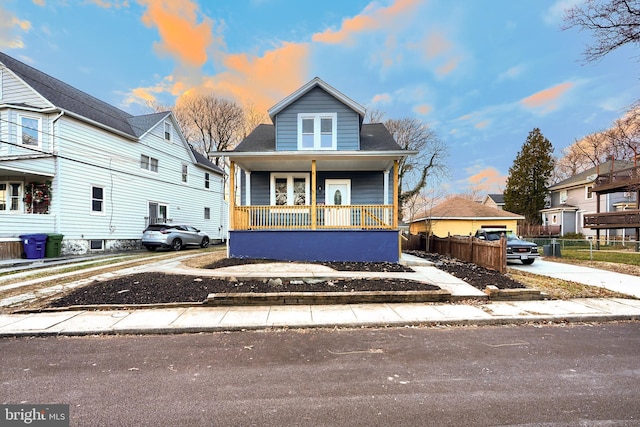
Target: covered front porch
(343, 206)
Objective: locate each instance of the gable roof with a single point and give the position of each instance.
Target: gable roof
(78, 103)
(590, 174)
(465, 209)
(373, 137)
(201, 160)
(498, 199)
(316, 82)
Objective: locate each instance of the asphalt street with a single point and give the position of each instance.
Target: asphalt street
(550, 375)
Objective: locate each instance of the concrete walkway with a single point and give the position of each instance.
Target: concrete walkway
(189, 319)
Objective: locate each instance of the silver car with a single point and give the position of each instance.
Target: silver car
(174, 236)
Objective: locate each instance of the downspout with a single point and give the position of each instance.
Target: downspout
(56, 188)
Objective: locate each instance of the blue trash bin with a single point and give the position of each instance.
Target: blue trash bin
(34, 245)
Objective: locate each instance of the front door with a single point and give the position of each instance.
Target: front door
(338, 196)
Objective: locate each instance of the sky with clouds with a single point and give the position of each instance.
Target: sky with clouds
(481, 73)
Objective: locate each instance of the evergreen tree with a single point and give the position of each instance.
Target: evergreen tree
(527, 184)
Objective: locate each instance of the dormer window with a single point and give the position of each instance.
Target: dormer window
(168, 130)
(317, 131)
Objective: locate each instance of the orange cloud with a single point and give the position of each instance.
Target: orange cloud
(39, 2)
(382, 98)
(423, 109)
(481, 125)
(546, 99)
(448, 67)
(106, 3)
(182, 36)
(488, 179)
(8, 24)
(371, 19)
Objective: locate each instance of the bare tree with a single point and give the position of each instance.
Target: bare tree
(211, 123)
(624, 136)
(252, 118)
(614, 23)
(374, 116)
(414, 171)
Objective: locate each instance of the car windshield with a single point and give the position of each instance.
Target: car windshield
(497, 234)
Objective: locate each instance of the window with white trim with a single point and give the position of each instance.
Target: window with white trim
(289, 189)
(29, 130)
(185, 173)
(206, 180)
(588, 192)
(10, 197)
(563, 196)
(97, 200)
(148, 163)
(317, 131)
(168, 130)
(207, 213)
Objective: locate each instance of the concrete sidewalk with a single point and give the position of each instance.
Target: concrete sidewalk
(190, 319)
(177, 320)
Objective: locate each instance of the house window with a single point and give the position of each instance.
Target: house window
(206, 180)
(96, 245)
(10, 197)
(589, 192)
(563, 197)
(97, 200)
(207, 213)
(29, 131)
(148, 163)
(168, 130)
(317, 131)
(185, 172)
(290, 189)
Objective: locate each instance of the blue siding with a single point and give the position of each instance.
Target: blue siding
(317, 101)
(352, 245)
(367, 188)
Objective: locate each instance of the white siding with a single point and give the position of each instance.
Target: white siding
(15, 91)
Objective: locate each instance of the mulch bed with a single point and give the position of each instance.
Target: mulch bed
(156, 288)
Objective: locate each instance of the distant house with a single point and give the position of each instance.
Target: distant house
(494, 201)
(462, 216)
(317, 184)
(71, 164)
(573, 198)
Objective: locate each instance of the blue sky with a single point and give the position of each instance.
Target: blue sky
(482, 73)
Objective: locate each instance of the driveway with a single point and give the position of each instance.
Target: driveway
(623, 283)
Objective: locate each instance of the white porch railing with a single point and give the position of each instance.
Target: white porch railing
(301, 217)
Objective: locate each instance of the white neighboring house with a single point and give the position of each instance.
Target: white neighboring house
(71, 164)
(573, 198)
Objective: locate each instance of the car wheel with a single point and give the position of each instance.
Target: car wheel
(150, 248)
(176, 245)
(205, 242)
(528, 261)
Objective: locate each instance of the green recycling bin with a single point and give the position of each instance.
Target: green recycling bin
(53, 245)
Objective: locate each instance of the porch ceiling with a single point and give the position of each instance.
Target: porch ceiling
(325, 161)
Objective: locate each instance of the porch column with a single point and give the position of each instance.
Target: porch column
(232, 194)
(314, 187)
(395, 194)
(386, 188)
(247, 188)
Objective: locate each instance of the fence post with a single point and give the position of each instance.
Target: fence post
(503, 254)
(471, 249)
(449, 244)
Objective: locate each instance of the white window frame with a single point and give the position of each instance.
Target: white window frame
(149, 163)
(317, 134)
(168, 131)
(21, 128)
(103, 200)
(185, 173)
(8, 198)
(207, 212)
(207, 180)
(564, 196)
(290, 177)
(586, 192)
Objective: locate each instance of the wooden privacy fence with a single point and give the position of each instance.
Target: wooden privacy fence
(487, 254)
